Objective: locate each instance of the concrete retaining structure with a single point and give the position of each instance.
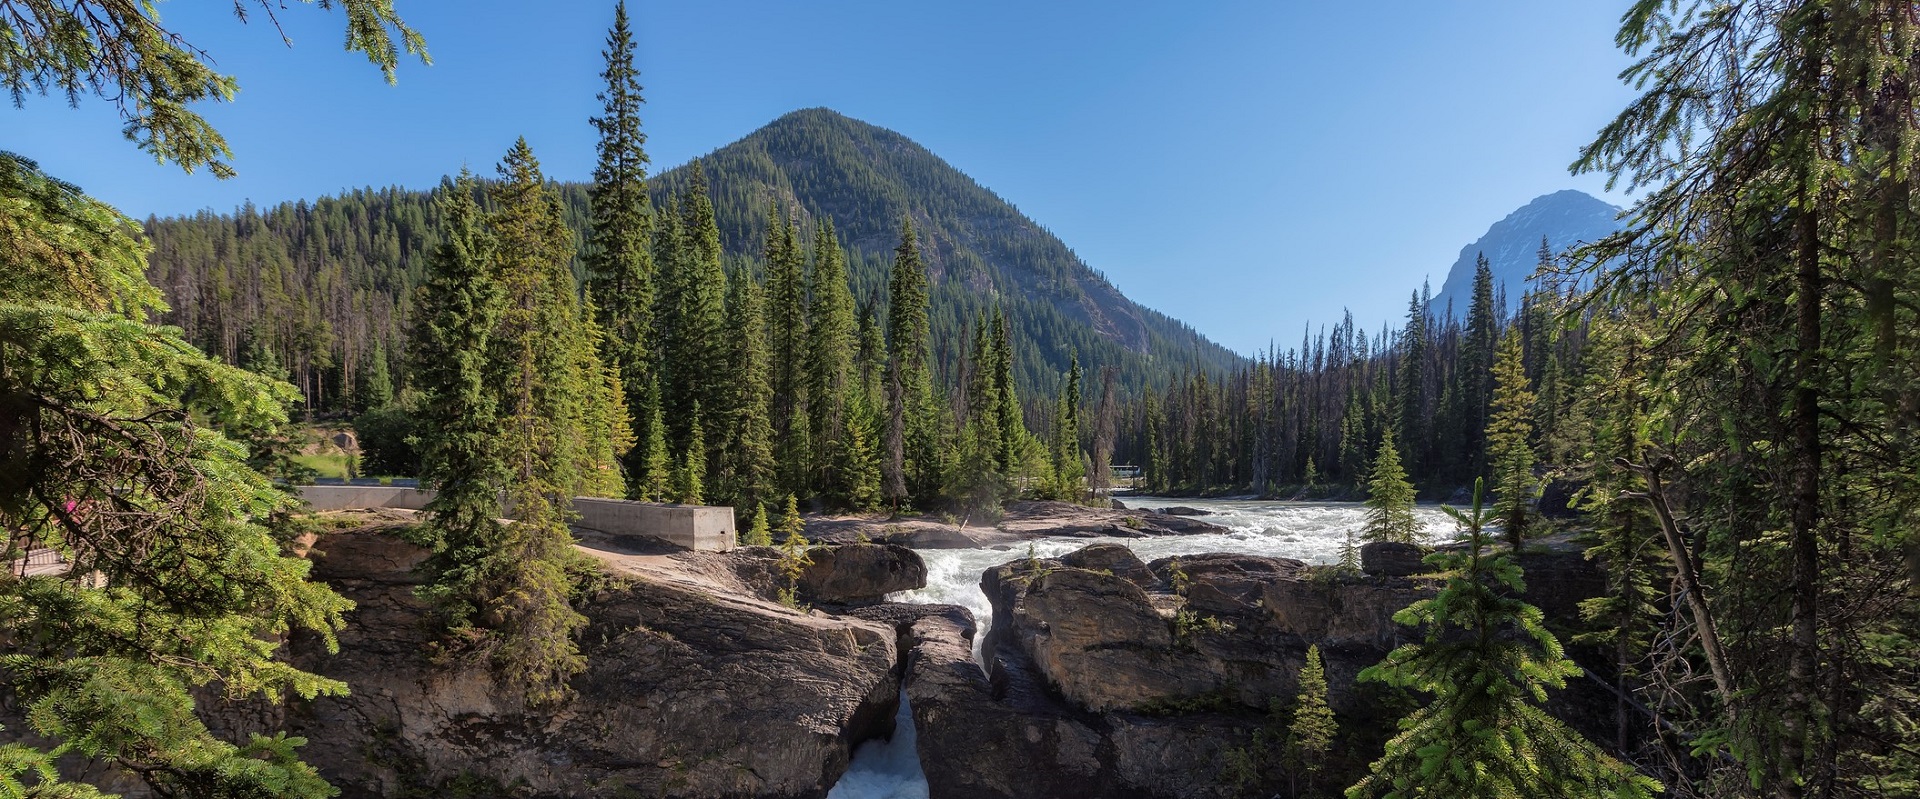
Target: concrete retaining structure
(700, 527)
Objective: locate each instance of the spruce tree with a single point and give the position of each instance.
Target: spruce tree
(787, 336)
(912, 429)
(618, 256)
(759, 533)
(1508, 444)
(1487, 661)
(1474, 374)
(1069, 465)
(1310, 735)
(1007, 415)
(654, 480)
(746, 471)
(116, 461)
(1390, 499)
(459, 424)
(691, 318)
(829, 372)
(548, 402)
(794, 557)
(690, 478)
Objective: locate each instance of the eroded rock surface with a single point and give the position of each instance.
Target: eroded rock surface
(695, 687)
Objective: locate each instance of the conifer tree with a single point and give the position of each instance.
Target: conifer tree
(787, 333)
(794, 557)
(1068, 464)
(1310, 735)
(912, 463)
(746, 472)
(1007, 415)
(548, 401)
(856, 461)
(1415, 409)
(1474, 375)
(1487, 661)
(375, 389)
(459, 409)
(690, 483)
(1390, 499)
(618, 255)
(654, 482)
(759, 533)
(691, 317)
(1508, 444)
(829, 374)
(116, 461)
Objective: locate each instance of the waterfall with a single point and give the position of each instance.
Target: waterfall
(887, 769)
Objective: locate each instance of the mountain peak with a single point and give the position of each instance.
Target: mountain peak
(980, 251)
(1565, 218)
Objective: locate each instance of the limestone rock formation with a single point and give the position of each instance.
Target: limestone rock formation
(695, 688)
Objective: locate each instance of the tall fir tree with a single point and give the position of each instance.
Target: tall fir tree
(618, 254)
(829, 374)
(746, 469)
(787, 336)
(691, 318)
(459, 425)
(1310, 735)
(1486, 661)
(912, 466)
(1474, 373)
(1509, 442)
(550, 399)
(1390, 499)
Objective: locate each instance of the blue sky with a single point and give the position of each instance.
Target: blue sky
(1248, 167)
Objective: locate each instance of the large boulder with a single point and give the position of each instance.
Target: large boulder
(1392, 559)
(1009, 737)
(693, 687)
(1113, 559)
(855, 573)
(1101, 642)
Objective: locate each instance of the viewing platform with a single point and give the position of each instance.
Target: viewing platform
(698, 527)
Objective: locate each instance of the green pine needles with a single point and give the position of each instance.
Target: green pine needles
(1487, 661)
(1390, 499)
(115, 458)
(520, 413)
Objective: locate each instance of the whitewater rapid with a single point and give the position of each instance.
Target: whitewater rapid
(1308, 531)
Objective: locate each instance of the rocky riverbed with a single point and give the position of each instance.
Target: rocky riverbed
(1105, 674)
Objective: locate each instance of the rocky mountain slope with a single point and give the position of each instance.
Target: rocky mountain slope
(1512, 245)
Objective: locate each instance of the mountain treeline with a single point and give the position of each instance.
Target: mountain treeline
(328, 285)
(1309, 420)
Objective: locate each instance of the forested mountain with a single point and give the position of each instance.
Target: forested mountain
(325, 285)
(1512, 245)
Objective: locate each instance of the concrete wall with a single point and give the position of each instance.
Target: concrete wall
(691, 526)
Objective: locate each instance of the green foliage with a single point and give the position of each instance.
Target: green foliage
(690, 322)
(386, 437)
(1390, 499)
(1487, 661)
(759, 533)
(1509, 442)
(618, 257)
(794, 557)
(520, 405)
(653, 481)
(1310, 735)
(911, 466)
(116, 461)
(688, 486)
(746, 472)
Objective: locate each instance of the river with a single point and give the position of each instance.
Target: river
(1309, 531)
